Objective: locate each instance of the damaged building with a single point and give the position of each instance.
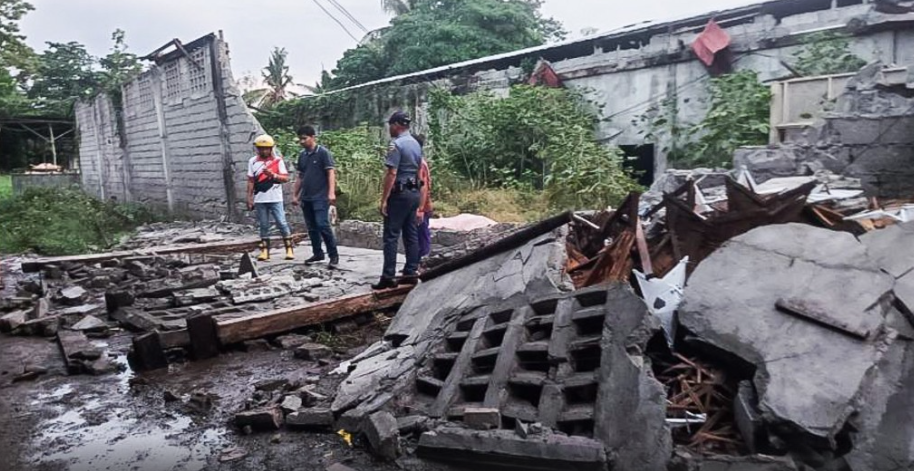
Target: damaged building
(759, 319)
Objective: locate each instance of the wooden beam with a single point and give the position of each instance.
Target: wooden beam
(284, 320)
(510, 242)
(240, 245)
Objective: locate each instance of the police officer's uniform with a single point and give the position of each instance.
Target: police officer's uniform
(405, 155)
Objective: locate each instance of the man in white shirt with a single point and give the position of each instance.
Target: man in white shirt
(266, 174)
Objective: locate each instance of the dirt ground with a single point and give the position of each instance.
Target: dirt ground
(123, 422)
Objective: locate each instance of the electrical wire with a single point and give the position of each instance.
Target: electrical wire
(345, 12)
(337, 20)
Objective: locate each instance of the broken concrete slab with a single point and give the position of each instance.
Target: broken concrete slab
(42, 309)
(247, 266)
(339, 467)
(312, 351)
(412, 424)
(13, 320)
(115, 299)
(746, 463)
(310, 397)
(383, 435)
(265, 288)
(502, 449)
(630, 407)
(481, 418)
(291, 341)
(425, 316)
(795, 359)
(884, 422)
(747, 417)
(270, 385)
(73, 295)
(315, 417)
(883, 246)
(268, 418)
(904, 294)
(291, 403)
(90, 324)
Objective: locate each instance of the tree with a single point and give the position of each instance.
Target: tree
(13, 50)
(277, 80)
(322, 86)
(66, 73)
(16, 59)
(430, 33)
(119, 66)
(398, 7)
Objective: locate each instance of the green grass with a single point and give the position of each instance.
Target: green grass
(6, 186)
(64, 221)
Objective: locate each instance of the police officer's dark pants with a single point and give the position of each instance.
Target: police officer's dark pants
(317, 218)
(401, 219)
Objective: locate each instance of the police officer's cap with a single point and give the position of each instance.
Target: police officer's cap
(399, 117)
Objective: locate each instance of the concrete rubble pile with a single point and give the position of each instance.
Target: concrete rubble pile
(146, 287)
(545, 355)
(867, 135)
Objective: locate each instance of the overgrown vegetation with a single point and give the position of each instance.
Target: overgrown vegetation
(63, 221)
(826, 52)
(536, 139)
(738, 115)
(516, 158)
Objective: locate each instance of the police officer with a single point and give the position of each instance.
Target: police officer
(399, 203)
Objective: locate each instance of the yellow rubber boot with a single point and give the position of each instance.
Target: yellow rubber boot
(290, 255)
(264, 251)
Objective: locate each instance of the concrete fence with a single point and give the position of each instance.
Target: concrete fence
(21, 181)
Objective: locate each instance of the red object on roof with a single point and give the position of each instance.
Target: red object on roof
(545, 75)
(711, 41)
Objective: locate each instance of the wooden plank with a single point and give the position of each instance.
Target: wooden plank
(284, 320)
(811, 313)
(510, 242)
(248, 244)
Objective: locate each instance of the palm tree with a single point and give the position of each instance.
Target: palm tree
(277, 80)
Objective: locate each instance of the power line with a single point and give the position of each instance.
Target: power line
(337, 21)
(345, 12)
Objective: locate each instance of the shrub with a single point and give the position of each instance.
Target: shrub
(64, 221)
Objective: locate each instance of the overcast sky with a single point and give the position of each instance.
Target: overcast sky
(253, 27)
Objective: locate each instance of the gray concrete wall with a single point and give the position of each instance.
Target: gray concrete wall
(185, 142)
(22, 181)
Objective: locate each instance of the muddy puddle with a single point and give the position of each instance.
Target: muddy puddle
(92, 429)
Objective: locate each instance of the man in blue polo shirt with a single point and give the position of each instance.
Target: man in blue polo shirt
(399, 203)
(315, 190)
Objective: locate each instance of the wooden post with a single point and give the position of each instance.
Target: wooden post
(53, 145)
(203, 340)
(148, 353)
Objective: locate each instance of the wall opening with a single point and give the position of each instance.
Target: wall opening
(640, 159)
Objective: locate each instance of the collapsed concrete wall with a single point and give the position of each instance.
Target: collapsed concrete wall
(868, 135)
(180, 143)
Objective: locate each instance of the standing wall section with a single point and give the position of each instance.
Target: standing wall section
(185, 140)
